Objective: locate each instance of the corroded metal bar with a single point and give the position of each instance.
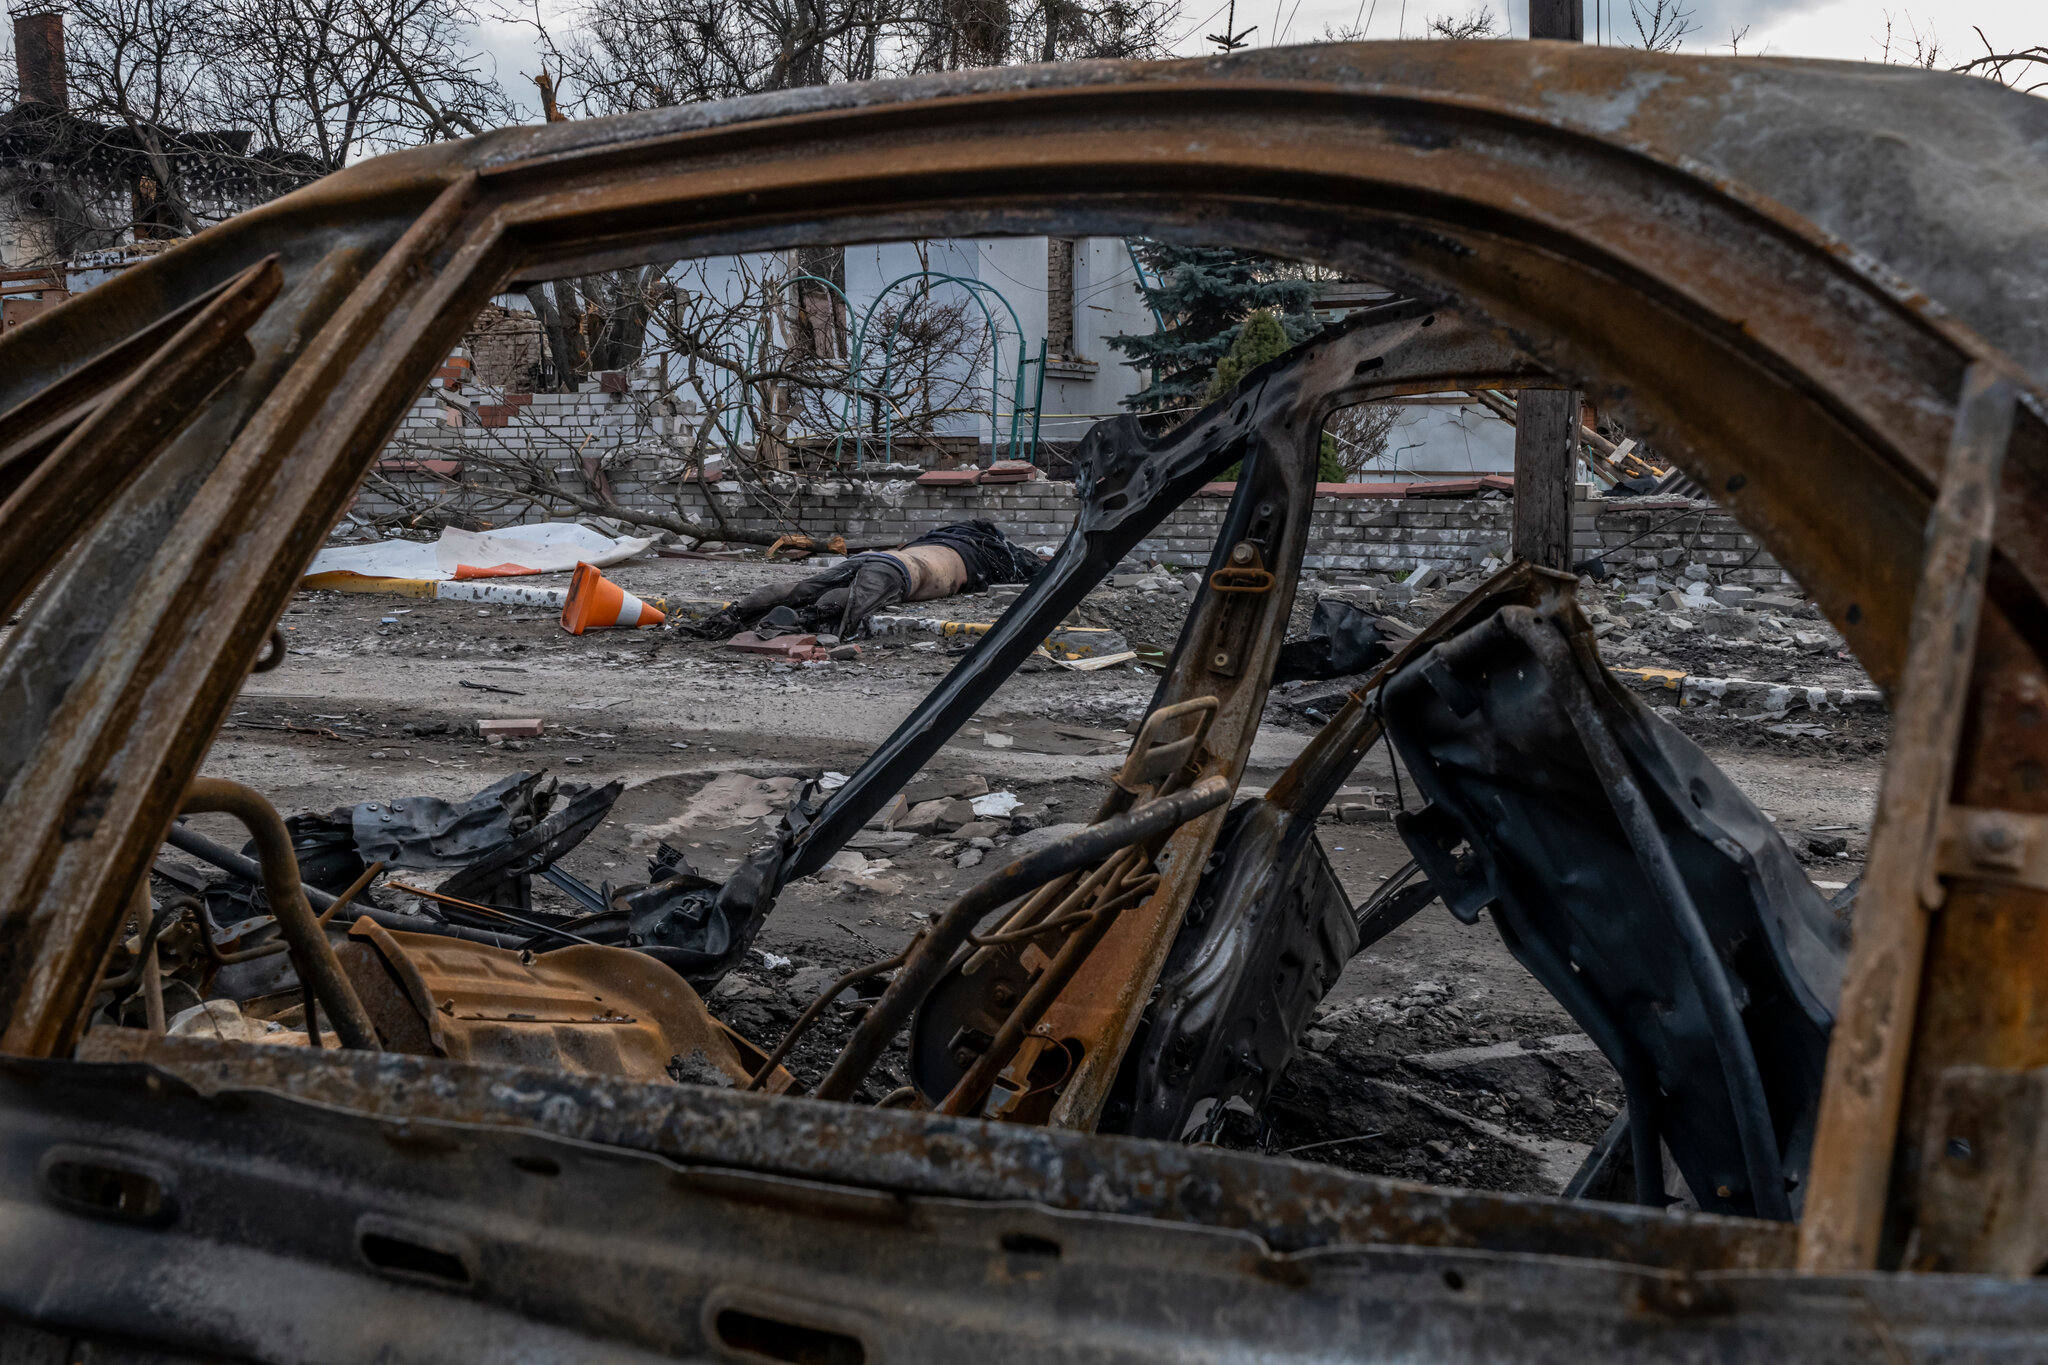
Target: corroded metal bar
(314, 955)
(1866, 1079)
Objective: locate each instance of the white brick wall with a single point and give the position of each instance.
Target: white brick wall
(1351, 534)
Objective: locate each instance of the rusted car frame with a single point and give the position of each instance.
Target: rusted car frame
(1719, 249)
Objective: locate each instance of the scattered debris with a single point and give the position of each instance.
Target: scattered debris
(728, 801)
(794, 648)
(1342, 640)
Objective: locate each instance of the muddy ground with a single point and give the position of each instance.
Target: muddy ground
(1436, 1057)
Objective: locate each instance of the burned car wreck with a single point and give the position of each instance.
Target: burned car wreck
(514, 1128)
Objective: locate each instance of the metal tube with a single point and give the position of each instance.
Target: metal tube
(1760, 1155)
(538, 928)
(355, 888)
(957, 921)
(152, 972)
(311, 1008)
(1034, 909)
(206, 850)
(227, 860)
(1037, 404)
(289, 903)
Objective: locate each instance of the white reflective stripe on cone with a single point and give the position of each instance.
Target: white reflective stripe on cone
(629, 609)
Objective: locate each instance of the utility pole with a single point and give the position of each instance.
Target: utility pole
(1564, 19)
(1547, 420)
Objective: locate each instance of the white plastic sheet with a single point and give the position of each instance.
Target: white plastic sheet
(997, 805)
(549, 547)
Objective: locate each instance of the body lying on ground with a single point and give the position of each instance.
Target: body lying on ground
(962, 557)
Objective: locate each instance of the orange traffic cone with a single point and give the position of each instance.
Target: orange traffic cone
(595, 603)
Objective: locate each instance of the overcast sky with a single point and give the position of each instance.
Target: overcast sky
(1847, 30)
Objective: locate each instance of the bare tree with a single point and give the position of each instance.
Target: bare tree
(177, 113)
(1661, 25)
(1478, 23)
(1360, 434)
(619, 56)
(624, 55)
(1925, 49)
(734, 351)
(141, 66)
(336, 80)
(2025, 70)
(724, 382)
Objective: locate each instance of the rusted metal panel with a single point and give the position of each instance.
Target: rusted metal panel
(1983, 1195)
(1227, 650)
(431, 1211)
(583, 1010)
(126, 428)
(1289, 1205)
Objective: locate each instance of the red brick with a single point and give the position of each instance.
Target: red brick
(796, 648)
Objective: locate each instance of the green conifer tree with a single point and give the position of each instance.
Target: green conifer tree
(1205, 295)
(1261, 338)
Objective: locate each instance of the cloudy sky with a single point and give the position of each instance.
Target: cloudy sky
(1846, 30)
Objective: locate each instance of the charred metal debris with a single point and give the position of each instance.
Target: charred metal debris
(485, 1129)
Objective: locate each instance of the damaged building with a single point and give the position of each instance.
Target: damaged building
(79, 198)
